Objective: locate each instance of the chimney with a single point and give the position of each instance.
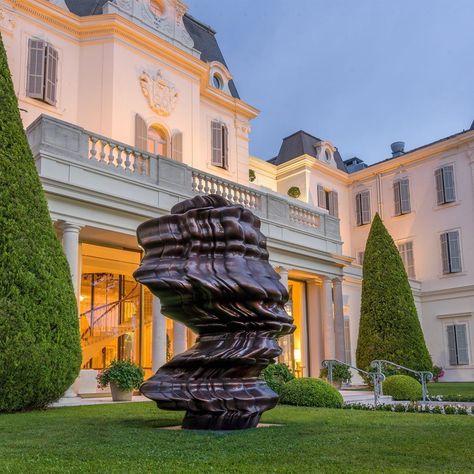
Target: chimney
(398, 148)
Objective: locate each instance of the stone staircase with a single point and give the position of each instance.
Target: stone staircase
(363, 397)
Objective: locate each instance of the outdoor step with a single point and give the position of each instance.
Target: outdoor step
(352, 396)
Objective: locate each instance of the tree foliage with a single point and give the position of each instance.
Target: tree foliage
(40, 351)
(389, 327)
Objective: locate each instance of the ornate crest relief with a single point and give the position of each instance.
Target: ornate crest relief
(161, 94)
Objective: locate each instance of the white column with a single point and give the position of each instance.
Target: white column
(158, 345)
(283, 272)
(327, 319)
(339, 319)
(179, 338)
(315, 337)
(71, 250)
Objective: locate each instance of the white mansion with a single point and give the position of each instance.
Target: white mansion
(130, 108)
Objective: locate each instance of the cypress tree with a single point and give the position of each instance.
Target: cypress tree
(40, 353)
(389, 327)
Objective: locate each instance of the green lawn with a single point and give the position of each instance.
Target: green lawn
(125, 438)
(452, 388)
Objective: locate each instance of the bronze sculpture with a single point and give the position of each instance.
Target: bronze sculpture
(208, 264)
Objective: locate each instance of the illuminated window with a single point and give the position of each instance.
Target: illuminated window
(157, 141)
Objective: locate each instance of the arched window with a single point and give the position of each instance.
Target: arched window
(157, 141)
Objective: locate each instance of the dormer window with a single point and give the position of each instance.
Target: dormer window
(217, 81)
(327, 154)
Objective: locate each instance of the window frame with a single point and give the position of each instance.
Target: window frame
(440, 185)
(456, 323)
(410, 269)
(361, 219)
(447, 270)
(219, 144)
(402, 204)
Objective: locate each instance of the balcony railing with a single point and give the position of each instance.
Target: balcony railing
(64, 142)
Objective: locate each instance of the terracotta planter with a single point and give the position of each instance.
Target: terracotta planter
(120, 395)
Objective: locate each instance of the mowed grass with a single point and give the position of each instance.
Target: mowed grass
(452, 388)
(125, 438)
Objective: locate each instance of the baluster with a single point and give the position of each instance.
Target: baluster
(120, 149)
(102, 151)
(111, 157)
(93, 151)
(200, 185)
(128, 163)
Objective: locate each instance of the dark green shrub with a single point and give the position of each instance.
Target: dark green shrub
(340, 373)
(450, 410)
(124, 373)
(402, 387)
(462, 410)
(40, 352)
(309, 392)
(399, 408)
(389, 327)
(436, 410)
(277, 375)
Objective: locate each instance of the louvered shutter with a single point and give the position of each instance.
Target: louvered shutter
(322, 197)
(365, 205)
(141, 133)
(454, 249)
(451, 329)
(448, 181)
(216, 133)
(177, 146)
(333, 204)
(405, 206)
(358, 209)
(225, 147)
(410, 260)
(396, 197)
(36, 69)
(439, 186)
(445, 253)
(51, 79)
(461, 344)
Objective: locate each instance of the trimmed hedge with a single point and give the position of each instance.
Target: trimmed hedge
(277, 375)
(40, 352)
(309, 392)
(402, 387)
(389, 326)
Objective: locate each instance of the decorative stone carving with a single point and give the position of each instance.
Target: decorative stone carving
(160, 93)
(208, 264)
(7, 21)
(242, 128)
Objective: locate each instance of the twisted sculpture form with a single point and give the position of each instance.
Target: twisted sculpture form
(208, 264)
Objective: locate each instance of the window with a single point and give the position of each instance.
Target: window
(157, 142)
(328, 200)
(177, 146)
(363, 208)
(42, 71)
(360, 258)
(347, 341)
(451, 252)
(217, 81)
(327, 154)
(220, 147)
(406, 252)
(401, 194)
(445, 190)
(141, 133)
(457, 344)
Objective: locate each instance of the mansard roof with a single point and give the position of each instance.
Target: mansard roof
(203, 36)
(302, 143)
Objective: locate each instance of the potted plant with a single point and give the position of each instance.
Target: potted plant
(123, 376)
(340, 374)
(252, 176)
(294, 192)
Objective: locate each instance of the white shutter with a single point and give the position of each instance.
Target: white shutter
(322, 197)
(461, 344)
(405, 206)
(439, 186)
(225, 147)
(358, 209)
(448, 181)
(410, 259)
(36, 69)
(347, 341)
(216, 132)
(453, 359)
(141, 133)
(365, 205)
(454, 251)
(396, 198)
(51, 80)
(333, 204)
(177, 146)
(445, 253)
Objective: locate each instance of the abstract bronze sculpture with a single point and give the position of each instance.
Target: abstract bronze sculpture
(208, 264)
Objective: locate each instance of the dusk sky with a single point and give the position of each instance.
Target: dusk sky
(361, 74)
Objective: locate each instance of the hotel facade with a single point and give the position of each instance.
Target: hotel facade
(129, 108)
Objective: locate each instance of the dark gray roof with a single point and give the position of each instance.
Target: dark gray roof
(302, 143)
(203, 36)
(472, 125)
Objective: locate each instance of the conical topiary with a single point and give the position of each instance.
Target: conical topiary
(389, 327)
(40, 351)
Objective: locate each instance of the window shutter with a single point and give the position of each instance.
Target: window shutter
(358, 209)
(322, 197)
(448, 181)
(177, 146)
(454, 250)
(141, 133)
(396, 197)
(35, 73)
(461, 344)
(439, 186)
(333, 204)
(410, 260)
(225, 147)
(216, 132)
(445, 253)
(347, 341)
(365, 204)
(51, 80)
(453, 360)
(405, 206)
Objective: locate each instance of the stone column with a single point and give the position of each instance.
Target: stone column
(179, 338)
(339, 319)
(315, 337)
(327, 319)
(158, 345)
(71, 250)
(283, 272)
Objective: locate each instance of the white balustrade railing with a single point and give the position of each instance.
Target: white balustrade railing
(306, 217)
(116, 154)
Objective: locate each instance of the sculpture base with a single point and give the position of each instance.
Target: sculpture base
(220, 422)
